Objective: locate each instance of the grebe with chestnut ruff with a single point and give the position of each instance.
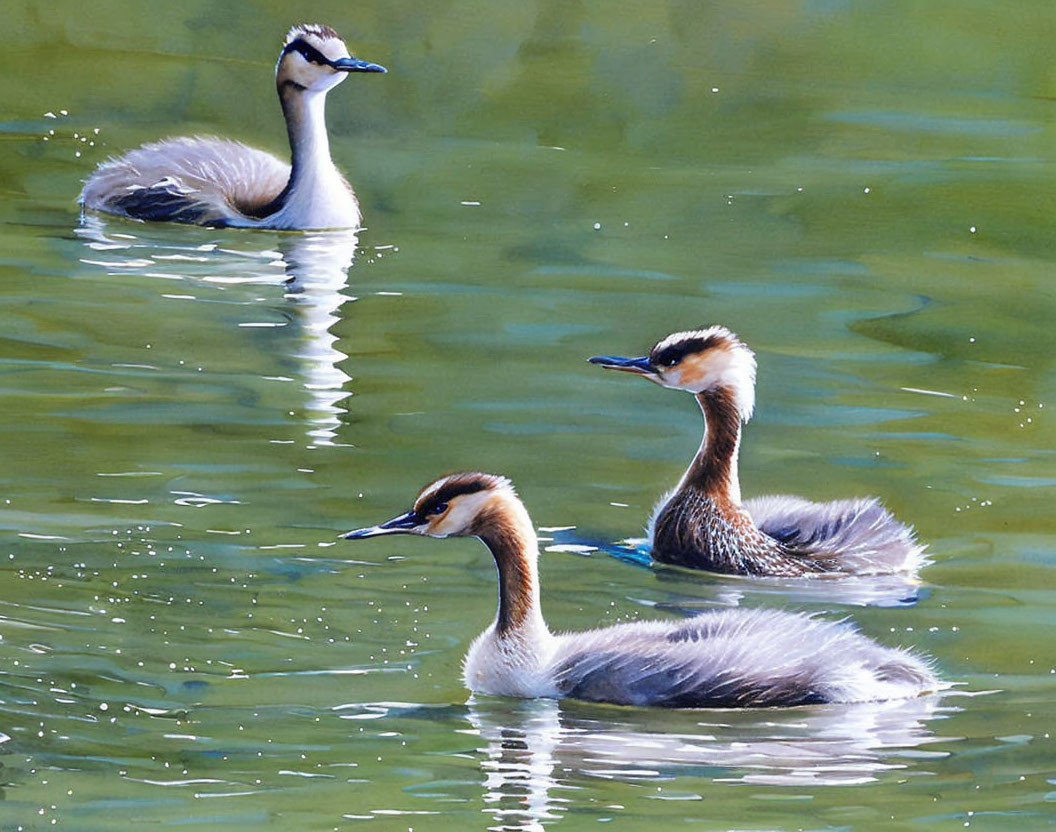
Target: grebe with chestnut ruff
(703, 524)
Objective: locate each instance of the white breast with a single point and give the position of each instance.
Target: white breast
(320, 200)
(516, 664)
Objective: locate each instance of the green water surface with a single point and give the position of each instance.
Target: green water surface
(862, 189)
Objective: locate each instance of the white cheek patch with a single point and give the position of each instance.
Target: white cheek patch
(708, 370)
(300, 70)
(722, 367)
(311, 76)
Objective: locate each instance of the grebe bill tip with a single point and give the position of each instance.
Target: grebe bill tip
(403, 524)
(356, 65)
(640, 366)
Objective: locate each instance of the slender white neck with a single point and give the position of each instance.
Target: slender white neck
(316, 196)
(305, 112)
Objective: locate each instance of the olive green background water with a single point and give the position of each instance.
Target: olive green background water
(863, 190)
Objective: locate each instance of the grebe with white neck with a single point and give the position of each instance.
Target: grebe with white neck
(218, 182)
(703, 524)
(735, 658)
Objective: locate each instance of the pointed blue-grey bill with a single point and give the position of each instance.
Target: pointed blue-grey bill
(628, 365)
(397, 525)
(356, 65)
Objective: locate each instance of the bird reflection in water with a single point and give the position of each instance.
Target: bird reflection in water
(312, 268)
(317, 267)
(534, 749)
(521, 736)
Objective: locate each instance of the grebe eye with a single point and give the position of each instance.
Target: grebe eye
(439, 508)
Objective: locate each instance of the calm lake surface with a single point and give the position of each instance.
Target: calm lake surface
(862, 189)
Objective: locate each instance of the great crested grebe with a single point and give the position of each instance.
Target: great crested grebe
(219, 182)
(735, 658)
(703, 524)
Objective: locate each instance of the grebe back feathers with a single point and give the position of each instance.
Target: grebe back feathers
(731, 658)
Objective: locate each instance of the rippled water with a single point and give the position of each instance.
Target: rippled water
(861, 190)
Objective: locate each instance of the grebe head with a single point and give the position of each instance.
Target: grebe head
(697, 361)
(459, 505)
(315, 58)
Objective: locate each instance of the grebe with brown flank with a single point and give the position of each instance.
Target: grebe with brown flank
(210, 181)
(736, 658)
(703, 524)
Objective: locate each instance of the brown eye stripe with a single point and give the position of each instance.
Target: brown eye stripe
(456, 485)
(457, 488)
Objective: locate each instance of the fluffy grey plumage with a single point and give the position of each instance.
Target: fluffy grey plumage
(858, 535)
(199, 180)
(734, 659)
